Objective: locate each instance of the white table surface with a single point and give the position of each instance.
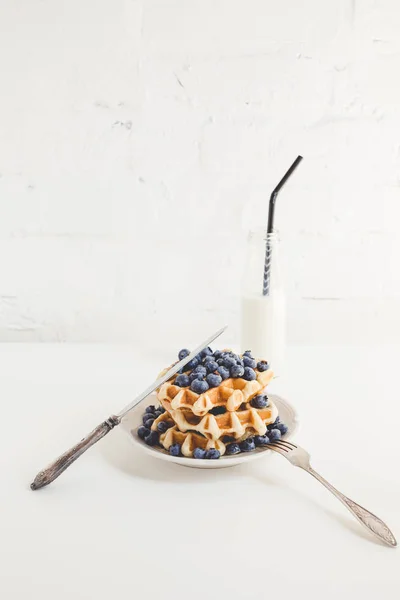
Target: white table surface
(120, 524)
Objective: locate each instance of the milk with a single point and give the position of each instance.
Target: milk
(263, 324)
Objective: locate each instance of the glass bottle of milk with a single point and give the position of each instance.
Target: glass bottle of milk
(263, 310)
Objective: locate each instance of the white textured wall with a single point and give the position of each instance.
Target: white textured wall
(140, 139)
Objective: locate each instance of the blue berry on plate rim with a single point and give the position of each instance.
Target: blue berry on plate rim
(261, 440)
(152, 438)
(183, 353)
(233, 448)
(274, 434)
(142, 432)
(175, 450)
(199, 386)
(282, 428)
(148, 423)
(199, 453)
(247, 445)
(150, 409)
(213, 454)
(249, 374)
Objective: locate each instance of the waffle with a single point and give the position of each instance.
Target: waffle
(231, 393)
(234, 424)
(189, 441)
(237, 425)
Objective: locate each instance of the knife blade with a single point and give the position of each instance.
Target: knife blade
(170, 373)
(62, 463)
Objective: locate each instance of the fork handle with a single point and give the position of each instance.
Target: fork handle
(366, 518)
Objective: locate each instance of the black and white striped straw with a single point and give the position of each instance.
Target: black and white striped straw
(270, 228)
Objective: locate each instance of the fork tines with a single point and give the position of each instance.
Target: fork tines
(282, 445)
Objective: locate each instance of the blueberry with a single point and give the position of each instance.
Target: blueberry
(224, 372)
(175, 450)
(208, 358)
(194, 376)
(233, 448)
(259, 401)
(192, 364)
(249, 374)
(148, 423)
(247, 353)
(150, 409)
(142, 432)
(199, 453)
(200, 370)
(282, 428)
(199, 386)
(262, 366)
(274, 424)
(147, 417)
(237, 371)
(247, 445)
(182, 380)
(158, 413)
(213, 453)
(274, 434)
(162, 427)
(183, 353)
(220, 361)
(211, 366)
(214, 380)
(229, 362)
(261, 440)
(161, 409)
(217, 354)
(152, 438)
(217, 410)
(206, 352)
(249, 362)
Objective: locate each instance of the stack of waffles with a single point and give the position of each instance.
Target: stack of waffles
(219, 416)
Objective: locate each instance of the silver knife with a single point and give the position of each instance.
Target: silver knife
(54, 470)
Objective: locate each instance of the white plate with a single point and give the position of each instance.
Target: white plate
(132, 421)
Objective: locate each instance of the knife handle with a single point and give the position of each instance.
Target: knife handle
(55, 469)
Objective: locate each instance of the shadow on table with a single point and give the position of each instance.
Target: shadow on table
(348, 522)
(118, 452)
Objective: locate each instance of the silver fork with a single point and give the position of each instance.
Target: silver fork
(300, 458)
